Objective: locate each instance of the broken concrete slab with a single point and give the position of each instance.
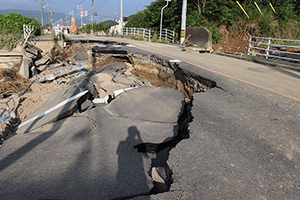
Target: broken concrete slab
(94, 152)
(62, 103)
(10, 60)
(43, 61)
(25, 68)
(154, 104)
(33, 52)
(81, 56)
(62, 72)
(112, 78)
(200, 36)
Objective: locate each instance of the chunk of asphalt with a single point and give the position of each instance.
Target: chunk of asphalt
(93, 152)
(81, 56)
(60, 104)
(109, 50)
(33, 52)
(159, 104)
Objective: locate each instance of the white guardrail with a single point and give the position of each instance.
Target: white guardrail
(147, 34)
(275, 48)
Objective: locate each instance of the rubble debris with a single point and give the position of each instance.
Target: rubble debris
(104, 83)
(24, 69)
(62, 72)
(81, 56)
(32, 52)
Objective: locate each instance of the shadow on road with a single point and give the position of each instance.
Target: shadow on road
(131, 176)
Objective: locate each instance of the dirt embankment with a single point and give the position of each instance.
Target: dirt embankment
(235, 38)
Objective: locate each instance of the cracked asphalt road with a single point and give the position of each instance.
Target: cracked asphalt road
(244, 141)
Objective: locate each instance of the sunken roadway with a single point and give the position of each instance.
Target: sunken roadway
(241, 138)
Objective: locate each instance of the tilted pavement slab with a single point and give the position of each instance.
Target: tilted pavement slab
(53, 108)
(90, 155)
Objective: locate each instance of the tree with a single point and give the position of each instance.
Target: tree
(12, 23)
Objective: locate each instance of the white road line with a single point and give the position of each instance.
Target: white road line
(174, 61)
(54, 108)
(130, 45)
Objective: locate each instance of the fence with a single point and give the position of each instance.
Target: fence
(147, 34)
(140, 32)
(275, 48)
(167, 35)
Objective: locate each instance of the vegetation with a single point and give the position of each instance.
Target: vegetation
(11, 29)
(12, 23)
(214, 14)
(97, 27)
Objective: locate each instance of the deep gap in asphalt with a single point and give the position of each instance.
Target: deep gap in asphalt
(160, 72)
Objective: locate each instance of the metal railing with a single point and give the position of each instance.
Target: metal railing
(275, 48)
(139, 32)
(147, 34)
(167, 35)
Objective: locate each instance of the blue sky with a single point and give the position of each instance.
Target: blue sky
(105, 8)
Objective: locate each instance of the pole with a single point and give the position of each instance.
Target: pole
(258, 8)
(183, 22)
(49, 17)
(242, 9)
(272, 8)
(161, 19)
(81, 16)
(121, 20)
(42, 13)
(92, 16)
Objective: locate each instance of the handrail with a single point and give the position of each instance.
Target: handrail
(272, 49)
(147, 34)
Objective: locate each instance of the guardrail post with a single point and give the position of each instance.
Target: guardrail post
(149, 35)
(134, 31)
(173, 36)
(269, 42)
(166, 34)
(250, 40)
(143, 33)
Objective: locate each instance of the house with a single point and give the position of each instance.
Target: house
(116, 29)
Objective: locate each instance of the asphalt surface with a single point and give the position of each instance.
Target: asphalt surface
(244, 139)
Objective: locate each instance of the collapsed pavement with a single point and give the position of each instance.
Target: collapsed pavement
(111, 104)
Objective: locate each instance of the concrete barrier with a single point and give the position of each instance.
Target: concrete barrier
(200, 36)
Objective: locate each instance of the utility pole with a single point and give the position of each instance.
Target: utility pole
(183, 22)
(81, 13)
(42, 12)
(92, 16)
(49, 16)
(79, 7)
(121, 20)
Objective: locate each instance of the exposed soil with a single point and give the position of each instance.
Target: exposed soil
(235, 39)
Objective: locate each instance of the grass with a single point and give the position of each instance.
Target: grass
(9, 41)
(250, 58)
(11, 81)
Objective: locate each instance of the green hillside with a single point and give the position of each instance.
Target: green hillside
(225, 18)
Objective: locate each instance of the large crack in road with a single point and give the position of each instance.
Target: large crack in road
(160, 72)
(148, 70)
